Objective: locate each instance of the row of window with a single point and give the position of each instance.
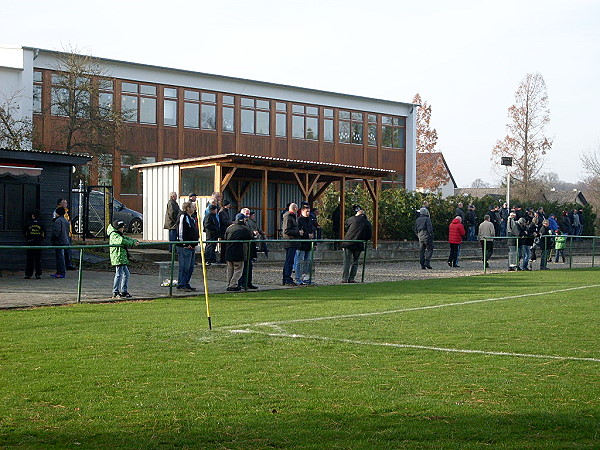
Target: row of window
(140, 104)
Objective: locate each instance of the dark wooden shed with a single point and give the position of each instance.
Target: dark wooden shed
(31, 179)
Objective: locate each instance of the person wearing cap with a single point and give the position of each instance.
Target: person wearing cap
(291, 232)
(120, 258)
(357, 228)
(236, 253)
(34, 235)
(424, 231)
(188, 231)
(212, 230)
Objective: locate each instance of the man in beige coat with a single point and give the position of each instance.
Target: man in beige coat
(486, 238)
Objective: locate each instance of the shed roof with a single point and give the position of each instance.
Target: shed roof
(44, 156)
(315, 166)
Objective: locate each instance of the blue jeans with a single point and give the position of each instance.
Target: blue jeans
(121, 279)
(288, 265)
(503, 228)
(526, 254)
(472, 235)
(186, 266)
(61, 267)
(301, 264)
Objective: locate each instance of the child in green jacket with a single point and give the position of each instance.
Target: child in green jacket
(560, 242)
(119, 258)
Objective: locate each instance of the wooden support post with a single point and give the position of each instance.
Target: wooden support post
(265, 199)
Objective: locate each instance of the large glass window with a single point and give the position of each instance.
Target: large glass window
(328, 125)
(305, 122)
(170, 107)
(255, 116)
(393, 131)
(281, 119)
(200, 180)
(105, 97)
(372, 131)
(138, 102)
(200, 110)
(351, 127)
(208, 111)
(37, 91)
(228, 113)
(129, 177)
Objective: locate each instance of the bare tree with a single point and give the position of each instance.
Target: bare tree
(431, 170)
(479, 183)
(16, 130)
(591, 161)
(82, 94)
(525, 141)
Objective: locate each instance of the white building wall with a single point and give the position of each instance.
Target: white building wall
(158, 183)
(16, 79)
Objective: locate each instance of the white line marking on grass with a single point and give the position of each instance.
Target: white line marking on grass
(421, 347)
(395, 311)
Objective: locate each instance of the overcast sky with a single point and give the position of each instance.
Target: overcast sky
(465, 58)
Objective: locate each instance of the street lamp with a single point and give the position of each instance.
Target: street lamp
(507, 161)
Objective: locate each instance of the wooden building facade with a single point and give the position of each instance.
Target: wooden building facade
(177, 114)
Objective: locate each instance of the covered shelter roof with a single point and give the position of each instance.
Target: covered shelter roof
(312, 177)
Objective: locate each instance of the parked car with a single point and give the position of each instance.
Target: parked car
(134, 220)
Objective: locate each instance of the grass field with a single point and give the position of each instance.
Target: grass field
(508, 360)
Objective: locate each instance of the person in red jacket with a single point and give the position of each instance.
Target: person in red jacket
(456, 231)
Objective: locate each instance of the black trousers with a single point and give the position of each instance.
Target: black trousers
(34, 261)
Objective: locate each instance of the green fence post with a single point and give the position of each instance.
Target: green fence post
(484, 256)
(248, 266)
(172, 269)
(362, 280)
(80, 275)
(312, 261)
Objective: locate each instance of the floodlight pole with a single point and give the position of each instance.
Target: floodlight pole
(508, 189)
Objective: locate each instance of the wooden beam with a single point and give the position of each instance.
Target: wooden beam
(320, 191)
(370, 189)
(302, 187)
(227, 178)
(314, 183)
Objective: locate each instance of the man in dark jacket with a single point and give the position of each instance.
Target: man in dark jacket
(224, 222)
(291, 231)
(212, 230)
(302, 259)
(236, 253)
(172, 216)
(34, 235)
(60, 236)
(358, 228)
(471, 223)
(424, 231)
(460, 212)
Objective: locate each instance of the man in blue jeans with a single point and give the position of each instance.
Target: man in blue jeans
(291, 231)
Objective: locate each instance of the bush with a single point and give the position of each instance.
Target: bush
(398, 210)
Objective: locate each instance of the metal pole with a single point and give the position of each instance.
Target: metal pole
(312, 261)
(80, 212)
(172, 269)
(80, 274)
(508, 189)
(247, 267)
(570, 252)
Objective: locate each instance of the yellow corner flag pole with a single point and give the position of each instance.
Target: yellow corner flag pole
(203, 257)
